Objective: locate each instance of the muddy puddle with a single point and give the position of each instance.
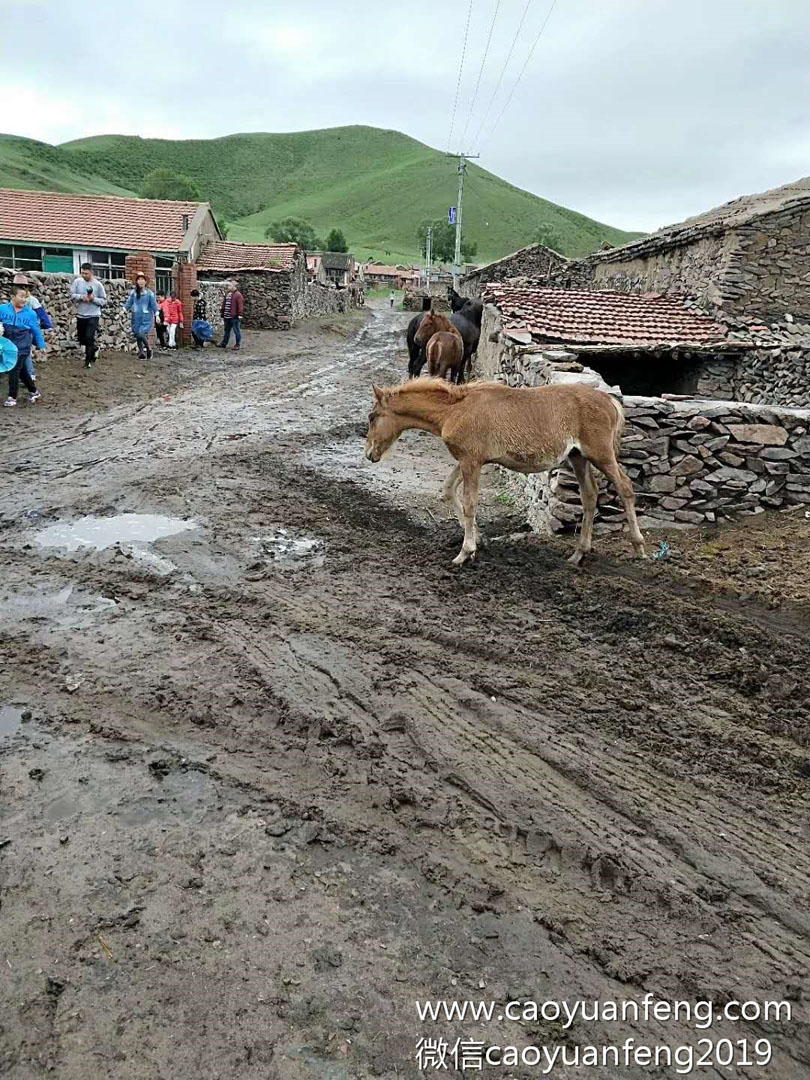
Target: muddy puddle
(103, 532)
(283, 547)
(10, 721)
(43, 603)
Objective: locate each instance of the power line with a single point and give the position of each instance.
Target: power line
(481, 70)
(520, 75)
(460, 70)
(503, 69)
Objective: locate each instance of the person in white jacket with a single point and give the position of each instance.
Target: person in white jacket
(89, 297)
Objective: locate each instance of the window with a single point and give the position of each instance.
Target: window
(57, 260)
(108, 264)
(20, 257)
(163, 275)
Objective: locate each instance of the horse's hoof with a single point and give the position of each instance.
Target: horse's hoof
(463, 557)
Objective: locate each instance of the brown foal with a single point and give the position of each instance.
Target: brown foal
(446, 353)
(527, 430)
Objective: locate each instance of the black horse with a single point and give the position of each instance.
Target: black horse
(466, 317)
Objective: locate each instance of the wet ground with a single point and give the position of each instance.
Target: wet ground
(271, 770)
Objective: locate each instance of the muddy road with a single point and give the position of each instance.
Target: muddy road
(274, 776)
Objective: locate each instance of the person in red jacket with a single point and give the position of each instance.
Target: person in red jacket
(173, 317)
(233, 308)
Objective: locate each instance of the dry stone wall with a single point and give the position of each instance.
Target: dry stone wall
(276, 299)
(53, 290)
(696, 269)
(691, 462)
(213, 293)
(536, 262)
(768, 274)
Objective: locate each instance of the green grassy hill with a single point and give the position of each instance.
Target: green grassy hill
(31, 165)
(373, 184)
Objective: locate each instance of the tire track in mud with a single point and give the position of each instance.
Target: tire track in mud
(365, 690)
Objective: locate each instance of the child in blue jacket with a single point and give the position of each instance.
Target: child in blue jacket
(21, 328)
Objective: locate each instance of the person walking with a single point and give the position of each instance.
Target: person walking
(21, 328)
(391, 298)
(173, 317)
(160, 320)
(201, 329)
(42, 315)
(143, 307)
(233, 308)
(89, 297)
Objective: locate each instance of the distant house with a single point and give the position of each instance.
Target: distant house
(315, 268)
(55, 233)
(274, 280)
(338, 266)
(393, 277)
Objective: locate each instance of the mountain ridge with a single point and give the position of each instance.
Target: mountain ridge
(375, 184)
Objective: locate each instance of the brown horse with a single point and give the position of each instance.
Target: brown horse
(527, 430)
(451, 357)
(445, 352)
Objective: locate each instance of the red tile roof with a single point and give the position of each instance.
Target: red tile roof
(389, 271)
(224, 255)
(602, 318)
(102, 221)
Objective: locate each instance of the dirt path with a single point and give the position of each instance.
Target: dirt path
(282, 774)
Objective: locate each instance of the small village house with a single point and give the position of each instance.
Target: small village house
(380, 276)
(649, 344)
(338, 267)
(275, 281)
(51, 232)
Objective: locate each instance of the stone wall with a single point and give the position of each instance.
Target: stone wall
(536, 262)
(691, 462)
(53, 290)
(275, 299)
(754, 272)
(768, 273)
(695, 269)
(412, 300)
(213, 293)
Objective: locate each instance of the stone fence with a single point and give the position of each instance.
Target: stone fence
(53, 291)
(691, 462)
(213, 293)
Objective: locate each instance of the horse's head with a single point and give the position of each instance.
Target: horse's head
(456, 302)
(431, 324)
(384, 426)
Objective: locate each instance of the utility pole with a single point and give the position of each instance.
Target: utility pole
(428, 256)
(462, 170)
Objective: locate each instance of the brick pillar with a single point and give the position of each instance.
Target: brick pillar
(141, 262)
(185, 279)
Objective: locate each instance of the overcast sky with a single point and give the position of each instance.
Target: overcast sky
(635, 112)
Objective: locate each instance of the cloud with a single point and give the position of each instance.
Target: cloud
(637, 112)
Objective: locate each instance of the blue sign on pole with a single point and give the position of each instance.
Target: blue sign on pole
(451, 215)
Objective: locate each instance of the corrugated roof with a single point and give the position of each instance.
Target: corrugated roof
(226, 255)
(574, 316)
(95, 221)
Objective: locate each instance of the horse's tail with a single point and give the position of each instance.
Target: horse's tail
(620, 422)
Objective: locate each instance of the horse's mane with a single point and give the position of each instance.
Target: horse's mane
(449, 391)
